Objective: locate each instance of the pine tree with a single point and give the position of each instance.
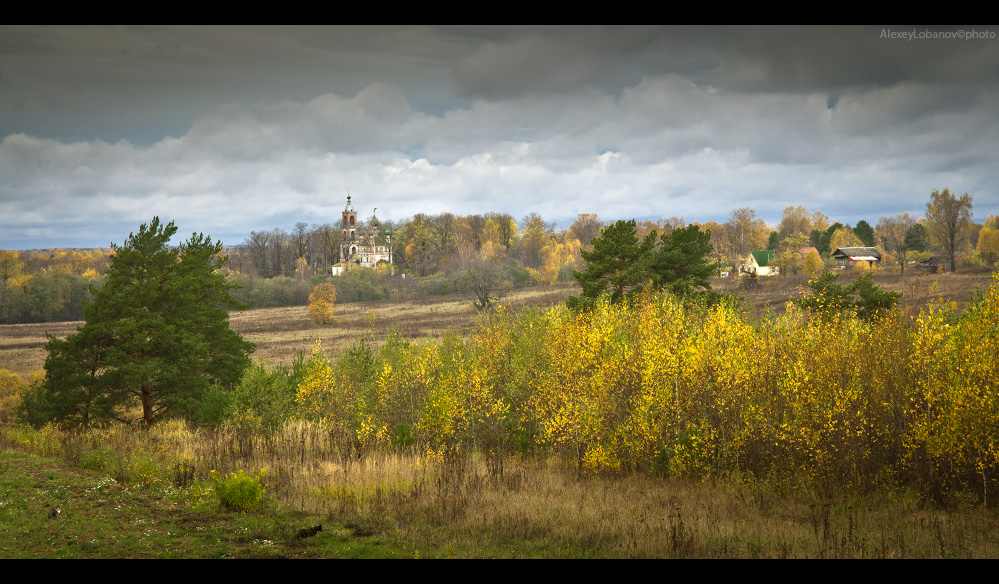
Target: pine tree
(156, 334)
(681, 263)
(865, 233)
(618, 264)
(829, 298)
(621, 266)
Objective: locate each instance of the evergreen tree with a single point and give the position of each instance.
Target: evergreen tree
(774, 241)
(826, 238)
(865, 233)
(618, 264)
(680, 265)
(621, 266)
(157, 334)
(917, 238)
(829, 298)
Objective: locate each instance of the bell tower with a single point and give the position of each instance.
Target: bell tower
(348, 231)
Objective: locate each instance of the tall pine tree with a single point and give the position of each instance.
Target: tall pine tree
(156, 335)
(621, 266)
(618, 264)
(681, 265)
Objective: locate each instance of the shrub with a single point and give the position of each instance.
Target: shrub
(321, 303)
(239, 492)
(829, 298)
(11, 387)
(265, 397)
(362, 285)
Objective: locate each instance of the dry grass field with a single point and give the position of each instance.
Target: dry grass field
(119, 497)
(772, 293)
(280, 333)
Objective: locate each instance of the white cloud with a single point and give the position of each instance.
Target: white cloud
(546, 134)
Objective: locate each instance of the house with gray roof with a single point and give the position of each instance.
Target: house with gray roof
(847, 257)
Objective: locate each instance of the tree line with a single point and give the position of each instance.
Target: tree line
(485, 254)
(48, 285)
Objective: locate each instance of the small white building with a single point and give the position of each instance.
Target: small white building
(760, 263)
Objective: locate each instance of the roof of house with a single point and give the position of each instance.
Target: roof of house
(856, 252)
(763, 257)
(936, 261)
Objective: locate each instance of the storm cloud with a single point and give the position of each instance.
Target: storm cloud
(228, 130)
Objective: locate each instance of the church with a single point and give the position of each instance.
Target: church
(363, 245)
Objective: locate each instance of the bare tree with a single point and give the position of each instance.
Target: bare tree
(300, 237)
(484, 281)
(948, 219)
(324, 242)
(280, 253)
(892, 231)
(256, 247)
(586, 227)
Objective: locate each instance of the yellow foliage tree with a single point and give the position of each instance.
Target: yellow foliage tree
(862, 267)
(988, 244)
(10, 265)
(302, 271)
(844, 237)
(555, 255)
(321, 303)
(813, 262)
(11, 387)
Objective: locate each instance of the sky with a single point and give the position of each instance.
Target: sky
(228, 130)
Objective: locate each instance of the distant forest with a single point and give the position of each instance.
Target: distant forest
(443, 253)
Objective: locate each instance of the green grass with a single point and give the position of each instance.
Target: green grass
(546, 514)
(103, 519)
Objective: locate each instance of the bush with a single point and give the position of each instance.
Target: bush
(322, 303)
(829, 298)
(520, 277)
(213, 407)
(239, 492)
(265, 398)
(11, 387)
(437, 285)
(362, 285)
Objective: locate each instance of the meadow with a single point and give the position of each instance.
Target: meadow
(126, 499)
(659, 430)
(281, 333)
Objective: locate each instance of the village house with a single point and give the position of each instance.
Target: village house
(935, 265)
(847, 257)
(760, 263)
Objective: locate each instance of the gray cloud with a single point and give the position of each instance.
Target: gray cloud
(622, 122)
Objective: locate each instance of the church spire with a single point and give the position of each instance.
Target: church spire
(349, 208)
